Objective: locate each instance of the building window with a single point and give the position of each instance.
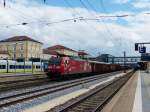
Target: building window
(4, 48)
(21, 48)
(14, 56)
(15, 47)
(21, 55)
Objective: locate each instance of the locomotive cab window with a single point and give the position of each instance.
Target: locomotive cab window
(55, 61)
(66, 62)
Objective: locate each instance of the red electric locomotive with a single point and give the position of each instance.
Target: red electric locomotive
(61, 66)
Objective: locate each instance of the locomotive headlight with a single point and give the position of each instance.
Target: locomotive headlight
(50, 67)
(58, 67)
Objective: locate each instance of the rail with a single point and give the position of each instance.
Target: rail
(95, 100)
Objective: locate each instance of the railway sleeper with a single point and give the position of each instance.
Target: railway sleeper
(88, 104)
(107, 93)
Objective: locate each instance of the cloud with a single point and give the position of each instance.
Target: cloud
(92, 36)
(121, 1)
(141, 4)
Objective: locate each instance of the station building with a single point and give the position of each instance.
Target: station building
(47, 54)
(62, 50)
(145, 57)
(105, 58)
(21, 47)
(82, 54)
(4, 55)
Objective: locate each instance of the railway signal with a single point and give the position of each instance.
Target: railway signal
(136, 47)
(140, 47)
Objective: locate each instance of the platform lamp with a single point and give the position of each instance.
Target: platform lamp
(136, 47)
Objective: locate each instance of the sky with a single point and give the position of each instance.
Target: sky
(111, 35)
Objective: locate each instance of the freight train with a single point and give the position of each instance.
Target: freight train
(65, 66)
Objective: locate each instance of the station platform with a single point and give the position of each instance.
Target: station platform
(133, 97)
(21, 73)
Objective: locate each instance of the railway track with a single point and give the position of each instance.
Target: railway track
(24, 82)
(95, 100)
(19, 81)
(28, 95)
(4, 79)
(11, 85)
(23, 75)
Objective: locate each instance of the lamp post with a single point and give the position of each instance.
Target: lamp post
(7, 65)
(41, 60)
(15, 51)
(124, 53)
(24, 65)
(32, 64)
(4, 3)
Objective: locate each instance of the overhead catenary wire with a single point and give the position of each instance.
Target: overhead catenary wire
(117, 16)
(85, 18)
(102, 5)
(124, 15)
(91, 13)
(17, 13)
(80, 17)
(84, 5)
(91, 5)
(22, 15)
(65, 20)
(99, 20)
(76, 13)
(72, 19)
(73, 10)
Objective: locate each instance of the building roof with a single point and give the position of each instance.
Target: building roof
(56, 47)
(82, 53)
(105, 56)
(46, 51)
(20, 38)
